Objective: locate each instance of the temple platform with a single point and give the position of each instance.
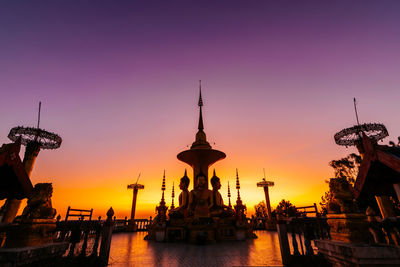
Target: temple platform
(201, 231)
(346, 254)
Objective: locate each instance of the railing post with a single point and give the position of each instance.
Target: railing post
(283, 241)
(106, 237)
(96, 239)
(75, 237)
(66, 216)
(85, 241)
(296, 251)
(308, 235)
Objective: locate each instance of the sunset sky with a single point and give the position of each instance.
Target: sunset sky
(119, 82)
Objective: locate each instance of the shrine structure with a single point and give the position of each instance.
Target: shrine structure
(201, 216)
(363, 224)
(35, 139)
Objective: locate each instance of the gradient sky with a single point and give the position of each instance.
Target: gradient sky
(119, 82)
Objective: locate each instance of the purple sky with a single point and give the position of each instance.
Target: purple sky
(119, 82)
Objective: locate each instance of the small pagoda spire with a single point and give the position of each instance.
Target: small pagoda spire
(229, 196)
(173, 195)
(200, 104)
(237, 186)
(163, 189)
(162, 208)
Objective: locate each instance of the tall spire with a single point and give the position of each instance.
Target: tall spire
(173, 195)
(237, 185)
(229, 196)
(163, 188)
(201, 139)
(200, 104)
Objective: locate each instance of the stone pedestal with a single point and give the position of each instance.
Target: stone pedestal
(30, 255)
(30, 232)
(350, 227)
(349, 255)
(200, 234)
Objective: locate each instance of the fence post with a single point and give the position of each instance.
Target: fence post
(96, 239)
(85, 241)
(283, 241)
(66, 216)
(106, 237)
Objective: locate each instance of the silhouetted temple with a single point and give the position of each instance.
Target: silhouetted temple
(201, 216)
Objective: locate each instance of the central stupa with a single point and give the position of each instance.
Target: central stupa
(200, 156)
(201, 216)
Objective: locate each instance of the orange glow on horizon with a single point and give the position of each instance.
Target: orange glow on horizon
(300, 184)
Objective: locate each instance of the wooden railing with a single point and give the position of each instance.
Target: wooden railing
(302, 232)
(143, 224)
(86, 236)
(385, 231)
(80, 213)
(121, 225)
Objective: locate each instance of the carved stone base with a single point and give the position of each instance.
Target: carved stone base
(31, 255)
(351, 228)
(28, 233)
(348, 255)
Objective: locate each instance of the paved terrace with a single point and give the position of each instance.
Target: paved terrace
(129, 249)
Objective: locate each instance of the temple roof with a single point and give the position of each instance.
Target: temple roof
(379, 169)
(14, 181)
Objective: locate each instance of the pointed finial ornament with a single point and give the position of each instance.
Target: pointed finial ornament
(214, 172)
(229, 195)
(237, 185)
(173, 195)
(237, 180)
(200, 99)
(163, 182)
(200, 104)
(185, 172)
(163, 189)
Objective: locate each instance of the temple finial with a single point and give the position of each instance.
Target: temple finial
(163, 188)
(185, 172)
(163, 182)
(200, 99)
(214, 172)
(200, 104)
(237, 180)
(229, 195)
(173, 196)
(237, 186)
